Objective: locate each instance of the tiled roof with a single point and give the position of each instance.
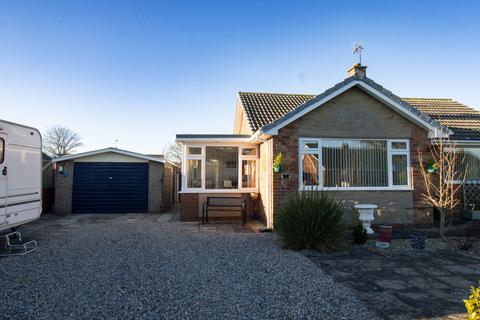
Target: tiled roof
(262, 109)
(461, 119)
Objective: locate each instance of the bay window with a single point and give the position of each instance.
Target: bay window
(354, 163)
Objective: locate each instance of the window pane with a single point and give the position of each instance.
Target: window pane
(310, 145)
(399, 145)
(310, 169)
(2, 150)
(469, 160)
(194, 150)
(249, 173)
(249, 151)
(399, 170)
(194, 173)
(355, 163)
(222, 168)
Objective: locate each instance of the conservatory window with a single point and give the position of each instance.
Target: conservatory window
(221, 168)
(194, 173)
(194, 167)
(227, 168)
(249, 168)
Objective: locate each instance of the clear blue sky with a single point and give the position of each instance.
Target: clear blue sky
(142, 71)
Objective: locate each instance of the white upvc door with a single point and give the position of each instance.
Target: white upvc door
(3, 177)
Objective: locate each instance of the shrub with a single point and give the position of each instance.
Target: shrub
(311, 220)
(359, 234)
(473, 304)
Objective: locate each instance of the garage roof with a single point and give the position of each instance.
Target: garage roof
(107, 150)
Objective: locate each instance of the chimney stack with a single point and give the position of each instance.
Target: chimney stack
(357, 70)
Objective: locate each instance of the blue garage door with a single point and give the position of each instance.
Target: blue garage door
(110, 187)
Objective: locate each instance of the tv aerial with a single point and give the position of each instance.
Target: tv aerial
(357, 49)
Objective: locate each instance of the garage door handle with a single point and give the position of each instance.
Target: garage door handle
(4, 171)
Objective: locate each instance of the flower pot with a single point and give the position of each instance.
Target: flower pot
(385, 233)
(418, 241)
(277, 169)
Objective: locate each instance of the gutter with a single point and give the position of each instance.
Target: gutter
(259, 136)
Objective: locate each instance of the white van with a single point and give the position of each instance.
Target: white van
(20, 174)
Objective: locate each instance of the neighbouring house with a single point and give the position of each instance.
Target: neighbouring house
(357, 140)
(112, 180)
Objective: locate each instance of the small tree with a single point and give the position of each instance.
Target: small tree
(59, 141)
(173, 153)
(439, 190)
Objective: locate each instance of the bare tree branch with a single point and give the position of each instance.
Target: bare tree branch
(59, 141)
(440, 189)
(173, 153)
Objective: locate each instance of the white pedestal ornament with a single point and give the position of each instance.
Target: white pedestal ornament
(365, 215)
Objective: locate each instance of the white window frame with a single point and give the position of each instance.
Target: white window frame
(187, 157)
(240, 167)
(318, 152)
(463, 147)
(202, 157)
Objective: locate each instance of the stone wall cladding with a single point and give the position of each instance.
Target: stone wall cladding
(155, 186)
(354, 114)
(63, 189)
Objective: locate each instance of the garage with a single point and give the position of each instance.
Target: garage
(113, 181)
(104, 187)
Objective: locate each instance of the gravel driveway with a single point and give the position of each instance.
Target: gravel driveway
(144, 267)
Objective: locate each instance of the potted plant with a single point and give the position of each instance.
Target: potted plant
(277, 163)
(418, 241)
(359, 234)
(432, 167)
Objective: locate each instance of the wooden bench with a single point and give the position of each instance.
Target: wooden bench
(224, 204)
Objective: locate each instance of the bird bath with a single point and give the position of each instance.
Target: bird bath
(365, 215)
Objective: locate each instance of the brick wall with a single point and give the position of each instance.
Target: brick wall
(191, 205)
(63, 188)
(353, 114)
(422, 212)
(155, 187)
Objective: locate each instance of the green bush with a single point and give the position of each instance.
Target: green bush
(473, 304)
(311, 220)
(359, 234)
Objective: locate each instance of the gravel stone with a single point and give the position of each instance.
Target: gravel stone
(152, 269)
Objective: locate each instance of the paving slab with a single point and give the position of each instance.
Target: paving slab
(410, 285)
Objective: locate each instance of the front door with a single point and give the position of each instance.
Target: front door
(3, 177)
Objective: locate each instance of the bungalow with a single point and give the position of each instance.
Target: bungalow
(356, 139)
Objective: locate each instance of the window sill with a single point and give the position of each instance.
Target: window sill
(218, 191)
(399, 188)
